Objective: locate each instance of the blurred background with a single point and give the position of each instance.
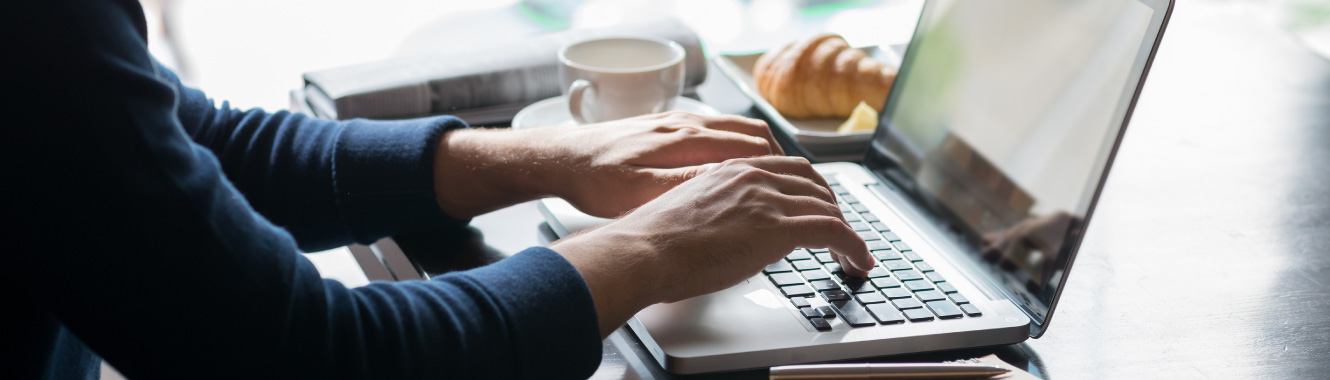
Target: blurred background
(253, 52)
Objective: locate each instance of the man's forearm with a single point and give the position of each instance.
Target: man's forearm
(478, 171)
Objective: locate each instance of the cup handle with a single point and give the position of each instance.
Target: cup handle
(575, 92)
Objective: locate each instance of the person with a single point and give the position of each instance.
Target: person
(160, 231)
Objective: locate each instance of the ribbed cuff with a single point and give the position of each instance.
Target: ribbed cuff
(383, 175)
(549, 310)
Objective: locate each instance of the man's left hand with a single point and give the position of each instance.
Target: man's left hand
(603, 169)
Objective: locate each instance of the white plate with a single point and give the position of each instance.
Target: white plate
(812, 133)
(553, 112)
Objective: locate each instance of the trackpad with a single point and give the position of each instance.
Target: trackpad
(741, 312)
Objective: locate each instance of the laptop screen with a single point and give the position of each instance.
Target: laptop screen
(1002, 122)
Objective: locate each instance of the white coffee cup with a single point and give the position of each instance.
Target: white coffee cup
(614, 78)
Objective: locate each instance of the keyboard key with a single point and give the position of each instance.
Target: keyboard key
(880, 227)
(859, 285)
(958, 298)
(824, 285)
(799, 254)
(803, 265)
(918, 315)
(907, 275)
(825, 312)
(814, 275)
(859, 207)
(885, 314)
(819, 250)
(779, 267)
(800, 302)
(878, 272)
(890, 236)
(845, 207)
(971, 310)
(841, 275)
(867, 298)
(810, 313)
(930, 295)
(876, 245)
(924, 267)
(831, 180)
(782, 279)
(820, 324)
(895, 265)
(912, 256)
(860, 226)
(919, 285)
(886, 254)
(835, 295)
(944, 309)
(946, 287)
(834, 268)
(851, 216)
(824, 257)
(838, 189)
(883, 283)
(869, 217)
(796, 291)
(869, 235)
(854, 314)
(894, 293)
(906, 303)
(901, 246)
(849, 198)
(935, 277)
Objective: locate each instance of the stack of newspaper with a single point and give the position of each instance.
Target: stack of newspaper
(483, 86)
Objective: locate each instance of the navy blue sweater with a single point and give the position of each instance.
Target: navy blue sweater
(149, 227)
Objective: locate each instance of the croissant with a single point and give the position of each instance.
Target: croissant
(821, 76)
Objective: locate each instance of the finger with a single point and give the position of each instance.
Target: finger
(747, 126)
(668, 178)
(796, 206)
(800, 186)
(817, 231)
(803, 205)
(848, 268)
(690, 146)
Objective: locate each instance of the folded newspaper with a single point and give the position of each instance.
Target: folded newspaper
(482, 86)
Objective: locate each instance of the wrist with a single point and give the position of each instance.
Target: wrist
(478, 171)
(620, 271)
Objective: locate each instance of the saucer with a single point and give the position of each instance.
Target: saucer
(553, 112)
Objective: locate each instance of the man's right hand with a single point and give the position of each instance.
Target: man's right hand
(710, 233)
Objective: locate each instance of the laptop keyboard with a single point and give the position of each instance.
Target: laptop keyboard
(900, 288)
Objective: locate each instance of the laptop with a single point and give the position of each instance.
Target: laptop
(974, 194)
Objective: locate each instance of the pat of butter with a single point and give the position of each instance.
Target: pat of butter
(863, 118)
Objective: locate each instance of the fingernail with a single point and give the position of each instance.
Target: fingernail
(860, 266)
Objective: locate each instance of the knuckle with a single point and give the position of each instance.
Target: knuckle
(675, 114)
(749, 174)
(688, 130)
(758, 143)
(732, 164)
(829, 209)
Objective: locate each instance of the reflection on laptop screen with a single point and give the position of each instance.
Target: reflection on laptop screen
(1003, 120)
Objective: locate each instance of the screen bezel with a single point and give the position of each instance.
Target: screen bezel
(881, 163)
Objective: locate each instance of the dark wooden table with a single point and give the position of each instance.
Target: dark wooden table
(1209, 256)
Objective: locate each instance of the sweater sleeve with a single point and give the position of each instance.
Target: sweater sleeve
(327, 182)
(130, 235)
